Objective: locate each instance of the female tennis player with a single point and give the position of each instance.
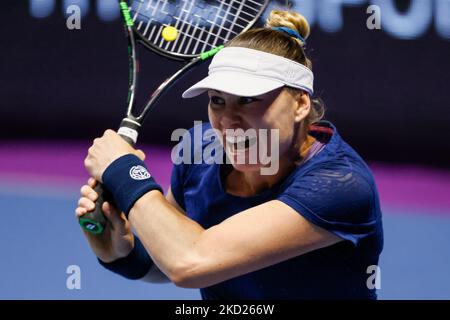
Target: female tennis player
(310, 229)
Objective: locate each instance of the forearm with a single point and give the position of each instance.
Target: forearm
(167, 234)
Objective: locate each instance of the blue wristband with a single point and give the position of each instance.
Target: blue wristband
(128, 179)
(134, 266)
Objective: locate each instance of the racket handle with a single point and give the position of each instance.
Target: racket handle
(95, 221)
(129, 130)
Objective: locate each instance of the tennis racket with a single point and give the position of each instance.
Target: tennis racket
(192, 31)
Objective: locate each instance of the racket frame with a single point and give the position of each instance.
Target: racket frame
(94, 221)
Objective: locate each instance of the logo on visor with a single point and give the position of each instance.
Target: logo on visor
(139, 173)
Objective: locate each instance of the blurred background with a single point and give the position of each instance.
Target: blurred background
(386, 90)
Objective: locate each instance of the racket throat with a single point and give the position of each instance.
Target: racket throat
(129, 130)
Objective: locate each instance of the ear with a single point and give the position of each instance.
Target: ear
(302, 106)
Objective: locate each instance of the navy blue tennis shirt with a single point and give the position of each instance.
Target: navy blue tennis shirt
(334, 190)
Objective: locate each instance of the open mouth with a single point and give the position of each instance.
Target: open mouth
(239, 144)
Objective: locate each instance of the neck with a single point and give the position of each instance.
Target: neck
(250, 183)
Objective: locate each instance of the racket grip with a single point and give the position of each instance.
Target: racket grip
(95, 221)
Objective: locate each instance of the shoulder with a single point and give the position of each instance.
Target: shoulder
(335, 190)
(333, 187)
(338, 159)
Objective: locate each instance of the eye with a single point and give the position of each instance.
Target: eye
(247, 100)
(215, 100)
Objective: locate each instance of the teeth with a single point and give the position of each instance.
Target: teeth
(236, 139)
(241, 142)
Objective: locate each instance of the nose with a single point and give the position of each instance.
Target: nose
(230, 119)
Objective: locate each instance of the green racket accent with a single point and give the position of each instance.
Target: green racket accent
(91, 226)
(211, 53)
(126, 14)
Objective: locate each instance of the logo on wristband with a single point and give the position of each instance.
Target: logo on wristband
(139, 173)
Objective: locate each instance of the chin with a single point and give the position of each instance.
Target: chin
(247, 167)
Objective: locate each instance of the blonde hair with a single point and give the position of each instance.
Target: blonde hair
(280, 43)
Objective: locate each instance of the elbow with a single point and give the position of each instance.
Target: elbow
(187, 282)
(183, 281)
(189, 274)
(185, 278)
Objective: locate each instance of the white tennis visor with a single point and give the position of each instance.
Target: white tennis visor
(248, 73)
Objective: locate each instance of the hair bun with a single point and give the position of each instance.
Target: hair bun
(289, 19)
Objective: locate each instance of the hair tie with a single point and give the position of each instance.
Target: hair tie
(291, 32)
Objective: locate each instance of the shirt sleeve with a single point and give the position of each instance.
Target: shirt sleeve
(339, 200)
(186, 153)
(182, 156)
(176, 184)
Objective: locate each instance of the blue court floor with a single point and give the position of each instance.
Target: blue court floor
(40, 239)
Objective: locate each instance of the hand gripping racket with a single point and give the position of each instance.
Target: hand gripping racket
(183, 30)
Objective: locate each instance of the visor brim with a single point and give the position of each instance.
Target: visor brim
(239, 84)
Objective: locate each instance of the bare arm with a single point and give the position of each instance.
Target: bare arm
(155, 275)
(248, 241)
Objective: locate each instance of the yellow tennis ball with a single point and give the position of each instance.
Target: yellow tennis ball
(169, 33)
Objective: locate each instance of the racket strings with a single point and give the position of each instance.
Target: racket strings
(201, 24)
(222, 28)
(150, 19)
(159, 28)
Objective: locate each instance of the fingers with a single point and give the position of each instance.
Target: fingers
(88, 197)
(112, 214)
(80, 212)
(140, 154)
(89, 192)
(84, 205)
(92, 182)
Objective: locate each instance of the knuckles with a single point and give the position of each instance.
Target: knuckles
(85, 190)
(109, 132)
(87, 162)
